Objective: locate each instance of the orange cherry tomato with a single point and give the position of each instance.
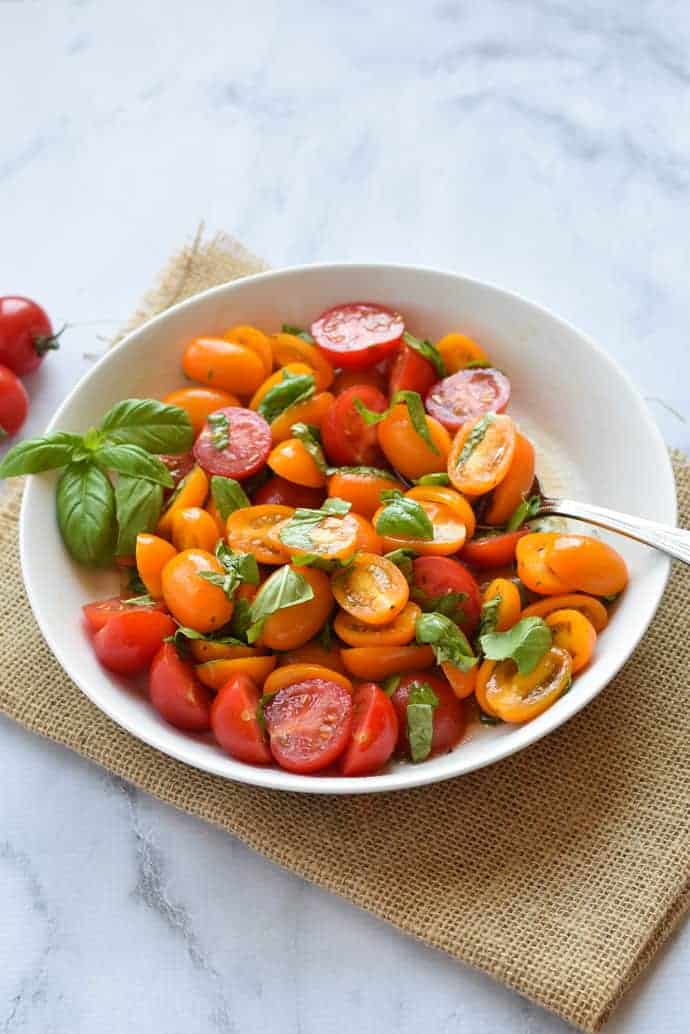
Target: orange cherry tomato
(311, 411)
(190, 598)
(191, 491)
(223, 364)
(588, 564)
(573, 632)
(378, 662)
(255, 339)
(314, 652)
(449, 532)
(406, 450)
(593, 609)
(288, 348)
(503, 692)
(372, 589)
(215, 674)
(510, 606)
(367, 539)
(291, 460)
(199, 402)
(532, 553)
(206, 650)
(462, 682)
(374, 377)
(333, 538)
(508, 495)
(489, 460)
(290, 674)
(361, 486)
(152, 554)
(450, 498)
(458, 350)
(274, 379)
(248, 531)
(295, 626)
(213, 510)
(194, 528)
(398, 632)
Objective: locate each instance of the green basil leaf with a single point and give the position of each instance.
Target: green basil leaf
(287, 328)
(404, 518)
(390, 684)
(368, 415)
(451, 605)
(38, 454)
(477, 364)
(475, 436)
(134, 583)
(325, 636)
(219, 426)
(152, 425)
(296, 532)
(284, 588)
(293, 388)
(404, 559)
(143, 600)
(310, 439)
(440, 478)
(489, 719)
(374, 472)
(489, 615)
(421, 704)
(238, 569)
(427, 351)
(133, 461)
(321, 563)
(86, 514)
(138, 505)
(525, 510)
(415, 408)
(446, 640)
(182, 633)
(241, 620)
(525, 643)
(228, 495)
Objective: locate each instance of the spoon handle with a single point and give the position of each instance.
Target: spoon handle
(674, 541)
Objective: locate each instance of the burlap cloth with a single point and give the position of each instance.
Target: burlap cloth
(559, 871)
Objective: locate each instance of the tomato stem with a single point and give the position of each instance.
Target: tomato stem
(48, 342)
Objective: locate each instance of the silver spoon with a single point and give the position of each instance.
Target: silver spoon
(673, 541)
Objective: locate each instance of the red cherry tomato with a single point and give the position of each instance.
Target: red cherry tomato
(179, 466)
(492, 550)
(449, 716)
(309, 724)
(176, 692)
(127, 642)
(411, 372)
(248, 444)
(279, 492)
(14, 402)
(234, 722)
(97, 614)
(374, 732)
(466, 395)
(357, 335)
(435, 577)
(26, 334)
(348, 441)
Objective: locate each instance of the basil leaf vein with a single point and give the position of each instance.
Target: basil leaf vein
(134, 461)
(86, 514)
(151, 424)
(37, 454)
(138, 505)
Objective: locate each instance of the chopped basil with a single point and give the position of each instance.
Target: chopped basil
(296, 532)
(182, 634)
(451, 604)
(374, 472)
(219, 426)
(427, 351)
(293, 388)
(415, 408)
(421, 704)
(325, 636)
(477, 364)
(475, 437)
(525, 643)
(390, 684)
(238, 569)
(241, 618)
(525, 510)
(228, 495)
(287, 328)
(402, 517)
(284, 588)
(311, 440)
(440, 478)
(446, 640)
(489, 615)
(144, 600)
(489, 719)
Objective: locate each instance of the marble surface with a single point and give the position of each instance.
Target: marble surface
(540, 145)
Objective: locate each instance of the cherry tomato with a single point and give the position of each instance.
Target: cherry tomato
(14, 403)
(347, 439)
(291, 460)
(362, 487)
(449, 716)
(309, 724)
(191, 491)
(238, 453)
(448, 528)
(489, 459)
(194, 528)
(461, 682)
(248, 531)
(294, 626)
(458, 350)
(467, 395)
(374, 732)
(411, 372)
(288, 348)
(573, 632)
(533, 554)
(489, 551)
(313, 411)
(357, 335)
(26, 334)
(588, 564)
(215, 674)
(367, 539)
(255, 340)
(235, 724)
(198, 403)
(398, 632)
(279, 492)
(508, 612)
(274, 379)
(179, 466)
(223, 364)
(450, 498)
(194, 601)
(176, 693)
(378, 662)
(406, 450)
(207, 650)
(289, 674)
(374, 377)
(152, 554)
(314, 652)
(372, 589)
(503, 692)
(593, 609)
(507, 496)
(333, 538)
(97, 614)
(127, 642)
(438, 578)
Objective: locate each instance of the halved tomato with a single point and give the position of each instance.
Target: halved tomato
(357, 335)
(481, 454)
(444, 584)
(235, 723)
(98, 613)
(503, 692)
(374, 732)
(176, 693)
(309, 724)
(400, 631)
(238, 449)
(467, 395)
(347, 439)
(490, 551)
(372, 589)
(248, 532)
(448, 717)
(411, 372)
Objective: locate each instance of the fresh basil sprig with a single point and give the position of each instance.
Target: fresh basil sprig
(475, 437)
(38, 454)
(154, 426)
(525, 643)
(310, 438)
(402, 517)
(284, 588)
(421, 704)
(86, 514)
(447, 641)
(228, 495)
(524, 511)
(489, 615)
(427, 351)
(133, 461)
(291, 389)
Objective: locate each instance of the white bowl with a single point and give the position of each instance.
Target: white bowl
(594, 440)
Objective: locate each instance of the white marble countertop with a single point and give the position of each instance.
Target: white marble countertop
(539, 145)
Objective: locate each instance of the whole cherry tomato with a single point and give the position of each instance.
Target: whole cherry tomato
(14, 403)
(26, 334)
(347, 439)
(128, 640)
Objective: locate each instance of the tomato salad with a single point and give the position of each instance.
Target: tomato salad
(325, 548)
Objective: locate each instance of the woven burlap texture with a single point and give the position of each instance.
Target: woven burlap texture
(559, 871)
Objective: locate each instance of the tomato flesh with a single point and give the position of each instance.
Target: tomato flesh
(435, 578)
(98, 613)
(235, 724)
(309, 724)
(247, 449)
(449, 716)
(357, 335)
(278, 491)
(466, 395)
(374, 732)
(176, 693)
(347, 439)
(128, 641)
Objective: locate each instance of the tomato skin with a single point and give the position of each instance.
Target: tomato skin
(406, 451)
(467, 395)
(97, 614)
(291, 460)
(508, 495)
(234, 722)
(372, 589)
(362, 490)
(357, 335)
(176, 693)
(375, 377)
(194, 528)
(14, 402)
(374, 732)
(287, 348)
(488, 462)
(247, 450)
(588, 565)
(152, 554)
(294, 626)
(347, 440)
(217, 363)
(194, 601)
(278, 491)
(179, 466)
(309, 724)
(411, 372)
(378, 662)
(457, 350)
(449, 716)
(26, 334)
(199, 402)
(439, 576)
(492, 550)
(128, 641)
